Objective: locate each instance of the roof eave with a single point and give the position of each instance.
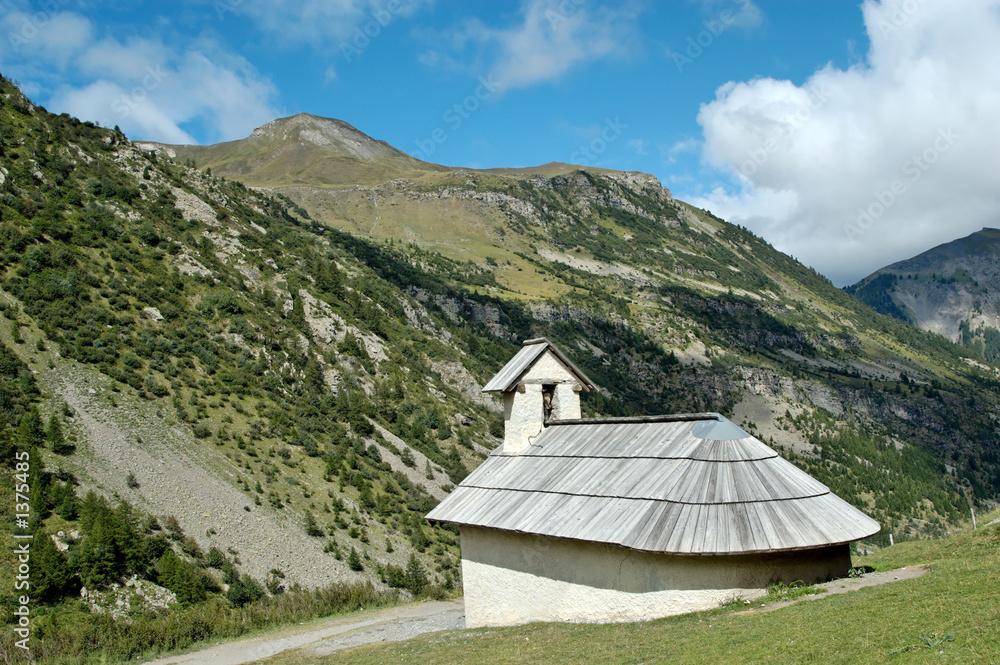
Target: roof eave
(803, 548)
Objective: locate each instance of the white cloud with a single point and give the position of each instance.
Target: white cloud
(739, 13)
(110, 104)
(129, 61)
(672, 152)
(53, 37)
(638, 145)
(147, 87)
(326, 22)
(553, 37)
(857, 168)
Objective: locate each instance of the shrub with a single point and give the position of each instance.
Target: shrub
(244, 591)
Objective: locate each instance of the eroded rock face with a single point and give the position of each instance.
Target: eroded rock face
(324, 133)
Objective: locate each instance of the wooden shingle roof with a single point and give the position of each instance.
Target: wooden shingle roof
(691, 485)
(506, 379)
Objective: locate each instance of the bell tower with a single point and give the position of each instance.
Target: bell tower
(538, 385)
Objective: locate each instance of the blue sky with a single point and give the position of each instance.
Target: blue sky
(849, 135)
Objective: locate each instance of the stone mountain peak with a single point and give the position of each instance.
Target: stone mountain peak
(325, 133)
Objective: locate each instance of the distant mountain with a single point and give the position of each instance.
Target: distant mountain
(952, 290)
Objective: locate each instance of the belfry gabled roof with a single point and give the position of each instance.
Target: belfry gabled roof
(506, 379)
(689, 485)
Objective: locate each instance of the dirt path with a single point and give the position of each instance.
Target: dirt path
(394, 624)
(850, 584)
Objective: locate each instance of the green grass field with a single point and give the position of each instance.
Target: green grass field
(950, 615)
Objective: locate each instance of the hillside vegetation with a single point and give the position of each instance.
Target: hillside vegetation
(242, 370)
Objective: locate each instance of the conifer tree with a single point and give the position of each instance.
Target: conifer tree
(57, 442)
(416, 576)
(51, 575)
(354, 561)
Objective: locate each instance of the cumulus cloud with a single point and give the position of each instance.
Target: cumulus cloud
(150, 89)
(552, 38)
(859, 167)
(137, 115)
(53, 37)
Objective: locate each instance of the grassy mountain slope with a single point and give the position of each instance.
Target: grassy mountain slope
(198, 336)
(292, 388)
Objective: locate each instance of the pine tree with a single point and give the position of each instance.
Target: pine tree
(7, 447)
(67, 506)
(57, 442)
(312, 528)
(354, 561)
(51, 575)
(29, 432)
(96, 557)
(416, 576)
(185, 580)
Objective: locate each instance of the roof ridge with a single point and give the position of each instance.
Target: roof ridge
(624, 420)
(631, 457)
(649, 498)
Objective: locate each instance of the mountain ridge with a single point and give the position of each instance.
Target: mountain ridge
(952, 289)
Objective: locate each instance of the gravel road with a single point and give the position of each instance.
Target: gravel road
(393, 624)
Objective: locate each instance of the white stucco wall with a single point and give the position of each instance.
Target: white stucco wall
(566, 404)
(522, 417)
(512, 578)
(523, 412)
(549, 368)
